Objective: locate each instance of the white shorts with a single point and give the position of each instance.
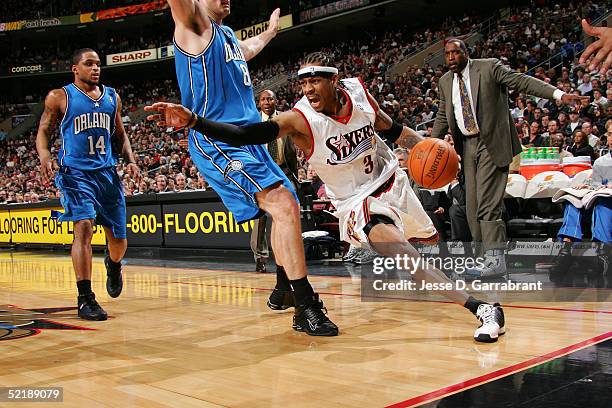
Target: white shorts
(397, 202)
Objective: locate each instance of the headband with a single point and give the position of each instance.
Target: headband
(315, 70)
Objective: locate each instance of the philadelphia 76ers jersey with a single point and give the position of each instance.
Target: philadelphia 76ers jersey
(86, 129)
(348, 155)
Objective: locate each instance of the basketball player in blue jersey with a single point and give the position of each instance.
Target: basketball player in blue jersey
(90, 129)
(213, 76)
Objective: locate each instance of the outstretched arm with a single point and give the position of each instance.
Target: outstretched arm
(286, 124)
(253, 46)
(53, 103)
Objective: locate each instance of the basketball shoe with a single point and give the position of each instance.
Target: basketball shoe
(89, 309)
(311, 319)
(114, 280)
(281, 299)
(493, 265)
(492, 323)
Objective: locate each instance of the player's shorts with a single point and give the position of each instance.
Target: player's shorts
(236, 173)
(395, 200)
(96, 194)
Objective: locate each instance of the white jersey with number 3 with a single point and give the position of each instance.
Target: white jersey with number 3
(347, 154)
(360, 172)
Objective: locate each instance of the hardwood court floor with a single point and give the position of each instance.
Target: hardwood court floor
(201, 338)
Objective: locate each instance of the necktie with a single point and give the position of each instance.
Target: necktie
(466, 107)
(273, 147)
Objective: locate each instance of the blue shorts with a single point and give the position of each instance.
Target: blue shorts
(95, 194)
(236, 173)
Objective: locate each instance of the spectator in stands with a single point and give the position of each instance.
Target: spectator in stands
(601, 222)
(587, 130)
(202, 184)
(574, 122)
(181, 182)
(519, 109)
(581, 146)
(301, 173)
(402, 157)
(318, 186)
(558, 141)
(161, 184)
(598, 97)
(586, 87)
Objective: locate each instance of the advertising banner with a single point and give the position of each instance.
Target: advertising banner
(35, 226)
(204, 225)
(130, 10)
(145, 225)
(132, 57)
(26, 69)
(330, 9)
(166, 51)
(5, 227)
(256, 29)
(16, 120)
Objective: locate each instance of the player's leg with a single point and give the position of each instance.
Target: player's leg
(280, 203)
(112, 262)
(281, 297)
(388, 240)
(111, 215)
(250, 183)
(88, 307)
(78, 199)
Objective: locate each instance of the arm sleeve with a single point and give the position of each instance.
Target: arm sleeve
(257, 133)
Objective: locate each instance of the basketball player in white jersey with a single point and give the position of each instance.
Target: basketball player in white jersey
(338, 123)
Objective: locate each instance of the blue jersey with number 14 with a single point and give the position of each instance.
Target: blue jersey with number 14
(87, 128)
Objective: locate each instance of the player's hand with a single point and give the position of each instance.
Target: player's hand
(134, 171)
(603, 47)
(571, 99)
(439, 211)
(47, 168)
(274, 22)
(170, 115)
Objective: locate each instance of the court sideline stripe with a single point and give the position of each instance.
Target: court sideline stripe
(462, 386)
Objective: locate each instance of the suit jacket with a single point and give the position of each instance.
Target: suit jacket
(489, 83)
(290, 162)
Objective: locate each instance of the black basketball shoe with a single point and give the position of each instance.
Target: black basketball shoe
(281, 299)
(114, 280)
(89, 309)
(311, 319)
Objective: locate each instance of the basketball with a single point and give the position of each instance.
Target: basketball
(433, 163)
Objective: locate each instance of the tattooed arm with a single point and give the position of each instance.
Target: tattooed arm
(55, 103)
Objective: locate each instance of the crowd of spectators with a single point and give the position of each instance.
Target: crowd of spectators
(37, 9)
(522, 39)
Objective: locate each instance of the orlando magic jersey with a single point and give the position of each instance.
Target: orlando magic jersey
(216, 84)
(86, 129)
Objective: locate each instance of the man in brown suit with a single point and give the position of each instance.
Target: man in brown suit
(283, 153)
(474, 110)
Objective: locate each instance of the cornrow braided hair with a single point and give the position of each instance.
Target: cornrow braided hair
(320, 58)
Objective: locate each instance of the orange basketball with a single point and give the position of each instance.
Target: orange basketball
(433, 163)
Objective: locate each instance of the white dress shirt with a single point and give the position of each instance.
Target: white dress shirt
(457, 107)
